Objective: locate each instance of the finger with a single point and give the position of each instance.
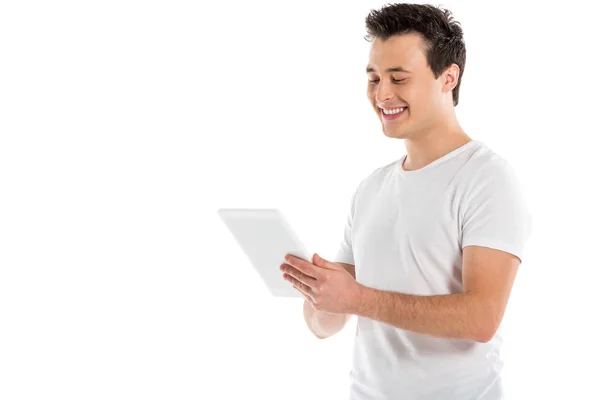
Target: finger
(303, 266)
(304, 289)
(309, 282)
(301, 276)
(306, 296)
(323, 263)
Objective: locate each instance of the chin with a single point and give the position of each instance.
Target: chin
(394, 133)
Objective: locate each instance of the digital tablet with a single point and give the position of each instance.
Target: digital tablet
(266, 237)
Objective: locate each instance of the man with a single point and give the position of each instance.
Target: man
(433, 240)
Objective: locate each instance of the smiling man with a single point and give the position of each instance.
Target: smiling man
(433, 240)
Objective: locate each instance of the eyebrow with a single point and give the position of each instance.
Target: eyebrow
(394, 69)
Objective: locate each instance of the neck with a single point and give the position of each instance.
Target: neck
(435, 143)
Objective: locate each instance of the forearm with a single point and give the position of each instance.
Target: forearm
(323, 324)
(456, 316)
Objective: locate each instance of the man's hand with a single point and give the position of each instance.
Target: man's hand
(326, 285)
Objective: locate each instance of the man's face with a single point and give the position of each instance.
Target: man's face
(399, 78)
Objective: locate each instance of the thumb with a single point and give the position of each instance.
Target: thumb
(320, 262)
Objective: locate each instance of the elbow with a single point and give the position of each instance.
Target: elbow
(484, 330)
(483, 337)
(485, 320)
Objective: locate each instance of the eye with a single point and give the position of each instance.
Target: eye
(393, 80)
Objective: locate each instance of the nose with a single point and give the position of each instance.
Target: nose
(384, 93)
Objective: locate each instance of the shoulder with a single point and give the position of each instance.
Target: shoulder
(485, 167)
(491, 187)
(373, 180)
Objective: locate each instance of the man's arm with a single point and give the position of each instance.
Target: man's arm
(324, 324)
(475, 314)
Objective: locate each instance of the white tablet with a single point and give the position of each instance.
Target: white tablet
(265, 236)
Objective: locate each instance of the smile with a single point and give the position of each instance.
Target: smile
(393, 113)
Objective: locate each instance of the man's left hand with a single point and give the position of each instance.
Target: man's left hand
(326, 285)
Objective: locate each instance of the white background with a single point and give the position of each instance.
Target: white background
(125, 125)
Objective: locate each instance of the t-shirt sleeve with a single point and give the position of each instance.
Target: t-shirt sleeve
(345, 253)
(496, 214)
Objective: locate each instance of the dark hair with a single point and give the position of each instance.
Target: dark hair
(443, 36)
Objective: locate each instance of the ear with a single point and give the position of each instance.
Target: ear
(450, 78)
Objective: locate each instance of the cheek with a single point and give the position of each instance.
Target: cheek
(371, 94)
(412, 94)
(421, 100)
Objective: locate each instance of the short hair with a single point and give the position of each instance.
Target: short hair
(443, 36)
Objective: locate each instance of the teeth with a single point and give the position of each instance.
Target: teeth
(393, 111)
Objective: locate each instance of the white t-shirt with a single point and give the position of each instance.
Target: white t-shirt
(405, 233)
